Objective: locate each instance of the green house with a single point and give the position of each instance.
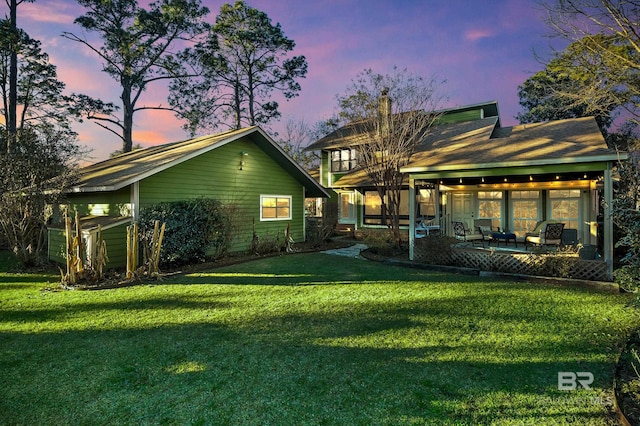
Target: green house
(469, 167)
(244, 168)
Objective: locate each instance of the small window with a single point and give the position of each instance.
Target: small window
(275, 207)
(343, 160)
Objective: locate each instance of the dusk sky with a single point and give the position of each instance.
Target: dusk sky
(483, 50)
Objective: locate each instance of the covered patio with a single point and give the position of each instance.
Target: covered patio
(560, 171)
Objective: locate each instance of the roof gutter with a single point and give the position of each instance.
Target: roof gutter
(524, 163)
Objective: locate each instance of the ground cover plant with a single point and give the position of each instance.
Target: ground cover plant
(307, 339)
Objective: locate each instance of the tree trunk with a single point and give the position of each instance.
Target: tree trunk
(13, 80)
(252, 115)
(127, 121)
(237, 106)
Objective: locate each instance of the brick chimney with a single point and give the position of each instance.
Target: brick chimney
(384, 112)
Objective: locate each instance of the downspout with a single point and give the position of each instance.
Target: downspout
(412, 216)
(304, 214)
(608, 222)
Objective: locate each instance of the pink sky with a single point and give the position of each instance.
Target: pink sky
(483, 49)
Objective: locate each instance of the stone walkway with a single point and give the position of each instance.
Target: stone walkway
(351, 251)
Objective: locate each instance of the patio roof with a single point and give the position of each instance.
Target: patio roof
(571, 144)
(485, 145)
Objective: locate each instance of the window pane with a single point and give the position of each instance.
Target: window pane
(345, 206)
(269, 212)
(565, 205)
(490, 209)
(492, 195)
(283, 212)
(372, 204)
(268, 202)
(404, 203)
(427, 202)
(335, 161)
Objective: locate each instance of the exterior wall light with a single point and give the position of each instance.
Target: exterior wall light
(242, 161)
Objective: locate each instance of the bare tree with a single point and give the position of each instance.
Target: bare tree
(393, 113)
(297, 135)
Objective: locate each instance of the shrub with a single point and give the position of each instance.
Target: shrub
(380, 241)
(628, 277)
(626, 215)
(193, 228)
(318, 231)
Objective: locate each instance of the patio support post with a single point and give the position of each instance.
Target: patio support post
(608, 222)
(412, 216)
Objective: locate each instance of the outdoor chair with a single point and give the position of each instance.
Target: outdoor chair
(464, 234)
(569, 237)
(550, 234)
(484, 228)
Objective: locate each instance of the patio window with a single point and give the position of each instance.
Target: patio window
(275, 207)
(373, 208)
(427, 203)
(343, 160)
(565, 206)
(526, 210)
(490, 206)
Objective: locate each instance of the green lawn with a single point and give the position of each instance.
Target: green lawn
(307, 339)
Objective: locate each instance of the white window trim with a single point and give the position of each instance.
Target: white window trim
(271, 219)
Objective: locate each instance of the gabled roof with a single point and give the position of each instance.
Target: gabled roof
(125, 169)
(575, 140)
(355, 132)
(482, 144)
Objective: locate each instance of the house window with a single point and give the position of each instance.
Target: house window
(565, 206)
(427, 203)
(373, 208)
(313, 207)
(490, 206)
(343, 160)
(526, 210)
(275, 207)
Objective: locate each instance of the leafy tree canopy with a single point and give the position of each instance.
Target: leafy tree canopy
(243, 60)
(136, 50)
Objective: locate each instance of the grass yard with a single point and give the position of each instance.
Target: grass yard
(307, 339)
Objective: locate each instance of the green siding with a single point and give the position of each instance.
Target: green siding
(115, 237)
(324, 169)
(461, 116)
(56, 247)
(217, 174)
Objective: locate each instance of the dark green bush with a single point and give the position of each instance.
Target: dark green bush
(193, 228)
(628, 277)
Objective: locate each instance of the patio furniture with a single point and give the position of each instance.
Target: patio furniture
(484, 227)
(569, 237)
(462, 233)
(550, 234)
(506, 236)
(426, 227)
